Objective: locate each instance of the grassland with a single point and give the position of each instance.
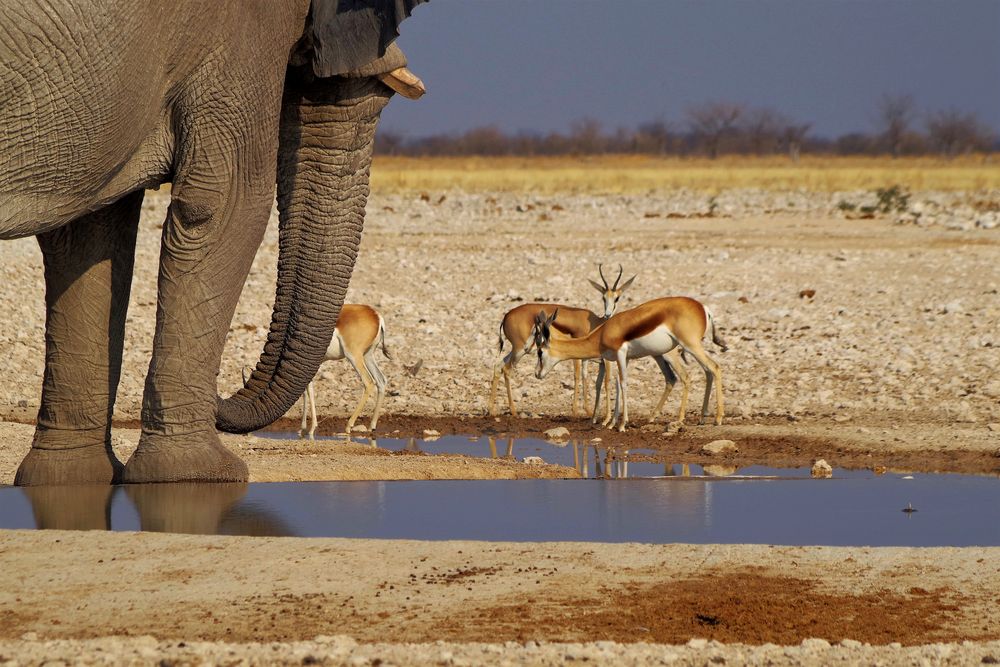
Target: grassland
(614, 174)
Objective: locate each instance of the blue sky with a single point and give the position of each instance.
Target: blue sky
(538, 65)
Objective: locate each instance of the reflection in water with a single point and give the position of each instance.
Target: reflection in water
(71, 507)
(202, 509)
(786, 509)
(719, 470)
(610, 464)
(184, 508)
(493, 447)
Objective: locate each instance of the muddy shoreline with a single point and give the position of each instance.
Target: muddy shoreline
(774, 443)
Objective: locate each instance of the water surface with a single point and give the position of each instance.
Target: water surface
(785, 507)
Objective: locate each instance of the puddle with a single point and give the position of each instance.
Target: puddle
(952, 510)
(638, 496)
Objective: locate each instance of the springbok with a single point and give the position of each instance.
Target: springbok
(653, 329)
(517, 325)
(360, 329)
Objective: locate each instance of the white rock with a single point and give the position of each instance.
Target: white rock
(533, 460)
(718, 470)
(557, 433)
(697, 643)
(815, 643)
(821, 469)
(850, 643)
(719, 446)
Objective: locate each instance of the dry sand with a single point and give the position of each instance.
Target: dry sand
(892, 362)
(185, 588)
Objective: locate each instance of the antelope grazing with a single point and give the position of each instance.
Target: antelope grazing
(653, 329)
(518, 323)
(360, 329)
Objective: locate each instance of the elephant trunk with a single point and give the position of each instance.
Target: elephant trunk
(326, 136)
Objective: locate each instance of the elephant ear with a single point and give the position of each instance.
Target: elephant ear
(348, 34)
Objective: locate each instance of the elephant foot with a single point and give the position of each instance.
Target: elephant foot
(92, 464)
(192, 457)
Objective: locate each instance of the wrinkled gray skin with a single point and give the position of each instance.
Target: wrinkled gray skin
(101, 99)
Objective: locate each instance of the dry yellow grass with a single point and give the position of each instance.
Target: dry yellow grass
(639, 173)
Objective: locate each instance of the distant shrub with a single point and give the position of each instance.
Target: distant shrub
(892, 199)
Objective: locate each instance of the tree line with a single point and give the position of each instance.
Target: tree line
(721, 128)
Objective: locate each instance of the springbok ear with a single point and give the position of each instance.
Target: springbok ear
(597, 286)
(627, 283)
(349, 34)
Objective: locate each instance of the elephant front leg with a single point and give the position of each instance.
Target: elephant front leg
(88, 276)
(209, 241)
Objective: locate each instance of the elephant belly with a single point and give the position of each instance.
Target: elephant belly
(84, 121)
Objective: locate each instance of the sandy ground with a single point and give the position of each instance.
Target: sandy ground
(177, 588)
(891, 362)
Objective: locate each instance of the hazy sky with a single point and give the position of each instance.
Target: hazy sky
(541, 64)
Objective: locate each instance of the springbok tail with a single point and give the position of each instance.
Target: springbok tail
(500, 337)
(716, 336)
(381, 335)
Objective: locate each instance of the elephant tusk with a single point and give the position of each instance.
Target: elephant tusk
(404, 82)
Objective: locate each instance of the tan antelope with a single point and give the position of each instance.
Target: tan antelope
(360, 329)
(517, 325)
(653, 329)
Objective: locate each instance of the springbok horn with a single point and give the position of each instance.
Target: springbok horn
(620, 270)
(600, 270)
(404, 82)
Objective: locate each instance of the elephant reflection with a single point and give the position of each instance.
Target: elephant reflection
(205, 509)
(71, 507)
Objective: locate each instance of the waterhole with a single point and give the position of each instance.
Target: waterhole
(647, 500)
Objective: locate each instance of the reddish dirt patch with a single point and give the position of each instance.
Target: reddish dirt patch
(744, 607)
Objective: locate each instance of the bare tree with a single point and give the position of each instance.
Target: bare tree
(953, 132)
(586, 137)
(895, 116)
(712, 121)
(388, 142)
(792, 136)
(763, 129)
(653, 137)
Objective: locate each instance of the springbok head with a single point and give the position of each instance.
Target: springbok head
(542, 333)
(610, 293)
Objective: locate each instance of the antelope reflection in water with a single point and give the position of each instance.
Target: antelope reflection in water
(493, 447)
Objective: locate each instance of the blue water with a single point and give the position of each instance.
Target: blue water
(787, 508)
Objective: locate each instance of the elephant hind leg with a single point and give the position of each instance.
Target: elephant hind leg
(88, 276)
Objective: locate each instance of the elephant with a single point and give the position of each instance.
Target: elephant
(103, 99)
